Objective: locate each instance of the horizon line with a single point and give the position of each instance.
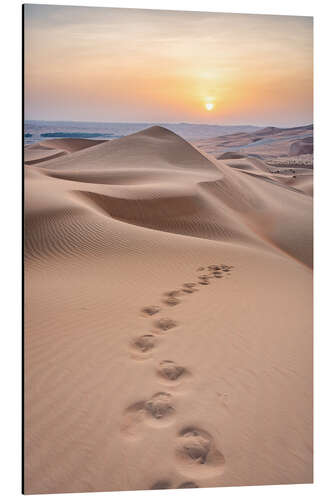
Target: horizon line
(168, 123)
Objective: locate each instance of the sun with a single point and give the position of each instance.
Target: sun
(209, 106)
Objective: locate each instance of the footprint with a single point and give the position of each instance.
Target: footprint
(172, 293)
(217, 274)
(156, 411)
(203, 280)
(197, 454)
(204, 277)
(161, 485)
(172, 301)
(159, 406)
(188, 484)
(165, 324)
(164, 484)
(141, 346)
(170, 372)
(151, 310)
(189, 287)
(214, 267)
(226, 268)
(195, 446)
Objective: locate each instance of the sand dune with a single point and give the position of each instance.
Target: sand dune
(169, 329)
(291, 147)
(301, 147)
(54, 148)
(230, 155)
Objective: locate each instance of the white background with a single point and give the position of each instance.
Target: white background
(10, 248)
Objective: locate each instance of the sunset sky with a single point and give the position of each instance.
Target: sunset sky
(111, 65)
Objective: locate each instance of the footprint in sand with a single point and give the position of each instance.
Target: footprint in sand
(216, 274)
(188, 484)
(159, 406)
(173, 293)
(197, 454)
(214, 267)
(171, 301)
(161, 485)
(164, 484)
(226, 268)
(150, 310)
(204, 279)
(142, 346)
(156, 411)
(165, 324)
(170, 372)
(216, 271)
(189, 287)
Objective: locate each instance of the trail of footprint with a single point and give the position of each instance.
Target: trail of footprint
(195, 451)
(197, 454)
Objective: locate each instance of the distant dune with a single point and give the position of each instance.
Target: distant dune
(302, 147)
(168, 316)
(230, 155)
(274, 144)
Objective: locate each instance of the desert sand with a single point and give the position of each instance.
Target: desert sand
(168, 306)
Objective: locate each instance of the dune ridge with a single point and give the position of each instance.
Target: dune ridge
(168, 299)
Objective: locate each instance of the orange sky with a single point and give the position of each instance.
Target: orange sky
(99, 64)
